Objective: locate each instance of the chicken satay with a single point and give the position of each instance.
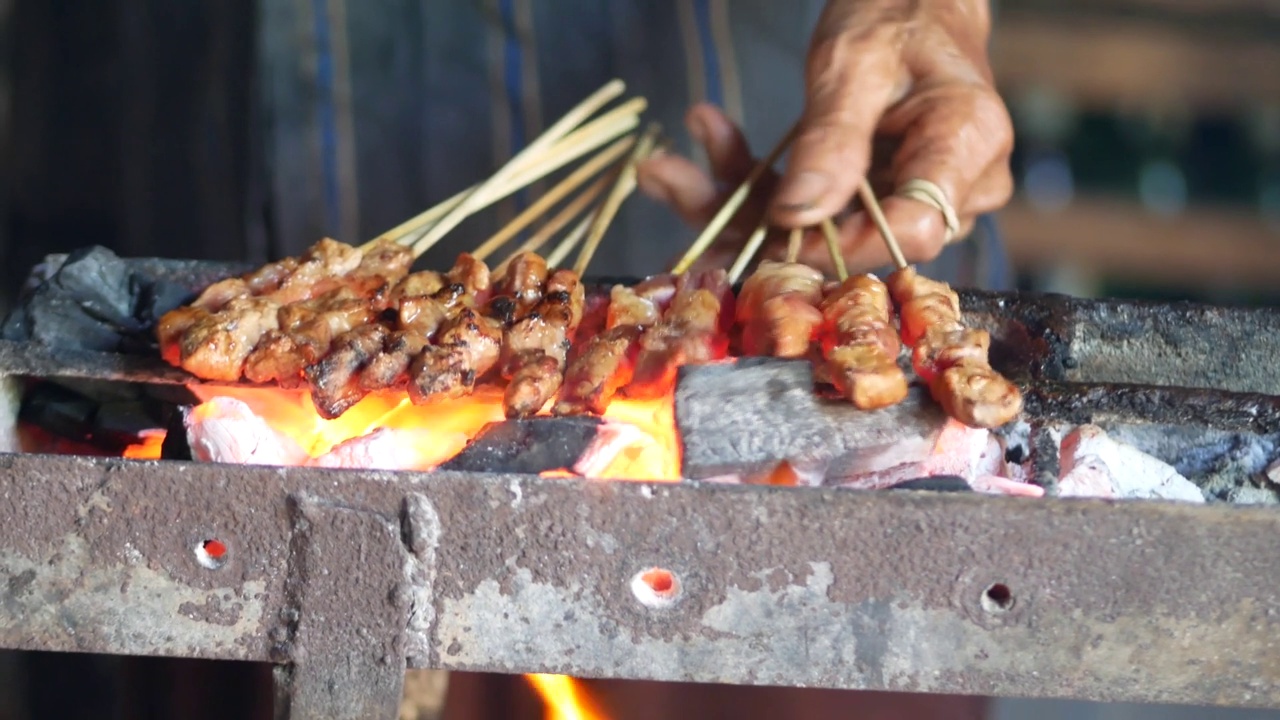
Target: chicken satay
(385, 259)
(952, 358)
(271, 276)
(536, 348)
(424, 302)
(174, 324)
(860, 344)
(216, 346)
(524, 279)
(306, 333)
(691, 332)
(607, 360)
(322, 268)
(333, 380)
(777, 309)
(468, 348)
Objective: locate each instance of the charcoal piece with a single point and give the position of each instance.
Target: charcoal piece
(58, 410)
(123, 421)
(53, 318)
(744, 417)
(175, 445)
(101, 284)
(936, 483)
(528, 446)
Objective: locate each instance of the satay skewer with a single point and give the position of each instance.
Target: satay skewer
(877, 216)
(793, 244)
(571, 240)
(833, 246)
(547, 139)
(613, 124)
(539, 207)
(623, 187)
(558, 221)
(732, 204)
(748, 253)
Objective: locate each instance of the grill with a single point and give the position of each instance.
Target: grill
(342, 579)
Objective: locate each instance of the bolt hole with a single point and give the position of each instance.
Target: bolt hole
(211, 553)
(656, 587)
(997, 598)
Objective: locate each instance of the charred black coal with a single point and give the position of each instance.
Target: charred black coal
(531, 445)
(94, 300)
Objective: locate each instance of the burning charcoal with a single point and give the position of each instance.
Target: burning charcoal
(58, 410)
(744, 417)
(225, 430)
(1095, 465)
(175, 445)
(123, 421)
(392, 449)
(937, 483)
(530, 445)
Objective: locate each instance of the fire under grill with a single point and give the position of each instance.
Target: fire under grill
(343, 578)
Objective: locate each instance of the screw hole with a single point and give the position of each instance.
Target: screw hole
(211, 553)
(997, 598)
(656, 587)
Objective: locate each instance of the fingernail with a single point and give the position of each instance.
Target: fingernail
(803, 192)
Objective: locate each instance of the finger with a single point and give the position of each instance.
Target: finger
(681, 184)
(727, 151)
(952, 134)
(992, 191)
(851, 78)
(917, 227)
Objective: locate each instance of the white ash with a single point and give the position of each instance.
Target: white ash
(225, 430)
(390, 449)
(1095, 465)
(612, 438)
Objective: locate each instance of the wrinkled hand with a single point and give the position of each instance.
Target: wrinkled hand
(896, 90)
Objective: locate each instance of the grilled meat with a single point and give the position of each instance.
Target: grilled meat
(694, 330)
(777, 309)
(468, 348)
(536, 347)
(860, 344)
(333, 380)
(216, 345)
(952, 358)
(523, 281)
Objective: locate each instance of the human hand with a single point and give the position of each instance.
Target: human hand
(897, 89)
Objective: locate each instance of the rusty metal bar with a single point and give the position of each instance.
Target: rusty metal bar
(950, 593)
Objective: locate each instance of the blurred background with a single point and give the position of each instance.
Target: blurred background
(1148, 165)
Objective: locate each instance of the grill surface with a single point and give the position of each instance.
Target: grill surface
(341, 578)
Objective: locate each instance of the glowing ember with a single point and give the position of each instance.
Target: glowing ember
(149, 448)
(643, 435)
(564, 698)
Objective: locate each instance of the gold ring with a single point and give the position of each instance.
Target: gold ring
(930, 194)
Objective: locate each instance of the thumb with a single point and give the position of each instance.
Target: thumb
(852, 77)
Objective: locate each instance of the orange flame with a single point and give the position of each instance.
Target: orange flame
(149, 448)
(564, 697)
(652, 454)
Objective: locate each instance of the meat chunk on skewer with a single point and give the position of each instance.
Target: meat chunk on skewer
(385, 259)
(694, 330)
(607, 361)
(777, 309)
(537, 346)
(952, 358)
(306, 333)
(333, 380)
(468, 349)
(860, 344)
(216, 345)
(526, 274)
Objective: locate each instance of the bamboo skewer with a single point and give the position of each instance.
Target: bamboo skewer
(557, 222)
(732, 205)
(562, 127)
(623, 186)
(877, 216)
(570, 241)
(793, 244)
(553, 196)
(748, 252)
(619, 121)
(833, 246)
